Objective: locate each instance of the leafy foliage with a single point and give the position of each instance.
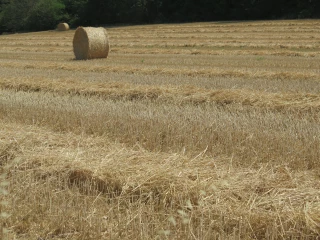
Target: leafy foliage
(45, 15)
(17, 15)
(75, 11)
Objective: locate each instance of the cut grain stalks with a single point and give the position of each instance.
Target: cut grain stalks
(302, 102)
(118, 191)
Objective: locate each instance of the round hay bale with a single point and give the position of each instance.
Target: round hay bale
(90, 42)
(63, 27)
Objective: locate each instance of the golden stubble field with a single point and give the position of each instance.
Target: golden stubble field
(186, 131)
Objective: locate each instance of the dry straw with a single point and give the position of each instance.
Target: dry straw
(63, 27)
(90, 42)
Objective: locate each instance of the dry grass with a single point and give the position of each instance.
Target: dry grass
(178, 94)
(250, 135)
(191, 131)
(86, 187)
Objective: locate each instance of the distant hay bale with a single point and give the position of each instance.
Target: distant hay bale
(63, 27)
(90, 42)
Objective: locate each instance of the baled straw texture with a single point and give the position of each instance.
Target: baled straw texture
(90, 42)
(63, 27)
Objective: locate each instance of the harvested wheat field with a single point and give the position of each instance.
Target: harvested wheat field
(185, 131)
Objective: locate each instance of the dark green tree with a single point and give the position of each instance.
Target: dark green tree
(21, 15)
(75, 12)
(15, 14)
(45, 14)
(18, 15)
(153, 11)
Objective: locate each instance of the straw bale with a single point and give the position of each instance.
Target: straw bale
(90, 42)
(63, 27)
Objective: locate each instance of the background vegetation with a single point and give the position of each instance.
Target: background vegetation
(18, 15)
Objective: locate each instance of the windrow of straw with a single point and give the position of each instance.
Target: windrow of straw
(129, 188)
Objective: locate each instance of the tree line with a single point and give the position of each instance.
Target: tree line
(37, 15)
